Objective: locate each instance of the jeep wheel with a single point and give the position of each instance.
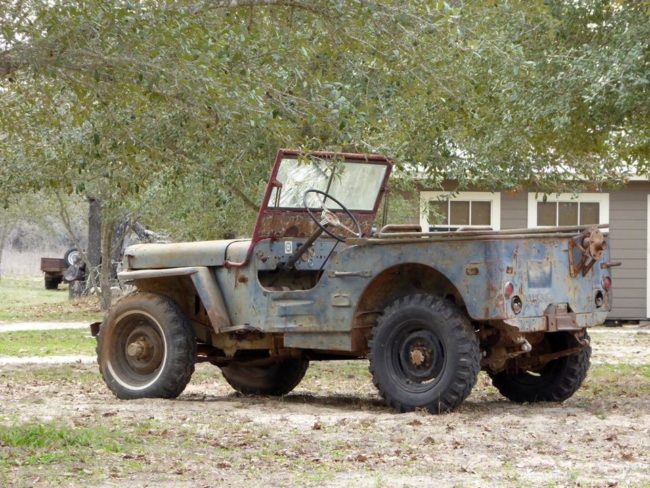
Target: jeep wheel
(146, 348)
(275, 379)
(554, 382)
(424, 353)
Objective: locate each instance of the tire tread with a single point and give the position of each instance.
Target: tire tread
(459, 326)
(181, 348)
(572, 373)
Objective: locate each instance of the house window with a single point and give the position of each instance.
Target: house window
(567, 209)
(449, 211)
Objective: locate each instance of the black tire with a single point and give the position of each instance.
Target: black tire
(70, 257)
(438, 336)
(275, 379)
(52, 282)
(162, 347)
(557, 381)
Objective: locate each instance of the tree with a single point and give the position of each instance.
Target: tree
(8, 221)
(137, 103)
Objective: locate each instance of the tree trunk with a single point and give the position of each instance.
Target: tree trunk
(94, 251)
(119, 234)
(3, 239)
(105, 296)
(5, 230)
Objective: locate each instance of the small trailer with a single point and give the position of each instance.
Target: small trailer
(55, 268)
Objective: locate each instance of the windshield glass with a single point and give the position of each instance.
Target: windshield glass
(355, 184)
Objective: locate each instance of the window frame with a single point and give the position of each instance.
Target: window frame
(462, 196)
(602, 199)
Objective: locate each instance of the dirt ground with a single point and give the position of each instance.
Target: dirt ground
(333, 430)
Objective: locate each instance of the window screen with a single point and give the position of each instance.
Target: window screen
(567, 213)
(459, 213)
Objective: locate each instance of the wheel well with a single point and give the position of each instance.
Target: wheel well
(181, 290)
(393, 283)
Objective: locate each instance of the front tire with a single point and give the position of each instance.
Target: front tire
(146, 348)
(424, 353)
(556, 381)
(275, 379)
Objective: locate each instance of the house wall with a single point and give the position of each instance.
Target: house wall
(514, 210)
(628, 225)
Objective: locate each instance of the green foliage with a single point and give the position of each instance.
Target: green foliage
(26, 299)
(47, 343)
(45, 443)
(175, 109)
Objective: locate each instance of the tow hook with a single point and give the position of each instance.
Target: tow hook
(591, 246)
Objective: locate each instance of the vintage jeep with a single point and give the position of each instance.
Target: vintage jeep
(315, 282)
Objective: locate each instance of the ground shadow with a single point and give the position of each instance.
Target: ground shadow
(351, 403)
(343, 402)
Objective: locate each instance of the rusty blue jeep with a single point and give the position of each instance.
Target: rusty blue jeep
(316, 282)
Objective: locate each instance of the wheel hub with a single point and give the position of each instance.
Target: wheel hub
(139, 349)
(143, 349)
(419, 355)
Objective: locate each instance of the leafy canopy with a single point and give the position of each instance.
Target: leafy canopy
(173, 108)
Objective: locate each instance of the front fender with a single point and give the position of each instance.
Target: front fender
(204, 282)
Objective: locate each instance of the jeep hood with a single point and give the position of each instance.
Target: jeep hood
(177, 255)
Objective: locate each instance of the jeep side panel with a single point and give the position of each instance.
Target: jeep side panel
(473, 271)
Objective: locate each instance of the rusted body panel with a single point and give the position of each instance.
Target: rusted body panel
(324, 315)
(156, 256)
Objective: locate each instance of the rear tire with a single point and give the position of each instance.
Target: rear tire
(557, 381)
(276, 379)
(146, 348)
(424, 353)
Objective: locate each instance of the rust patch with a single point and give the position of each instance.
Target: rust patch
(471, 271)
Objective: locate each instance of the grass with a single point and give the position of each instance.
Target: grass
(617, 381)
(47, 442)
(47, 343)
(27, 300)
(68, 451)
(64, 374)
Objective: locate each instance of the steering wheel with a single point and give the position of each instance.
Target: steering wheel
(329, 218)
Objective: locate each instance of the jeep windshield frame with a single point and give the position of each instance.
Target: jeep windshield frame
(282, 213)
(355, 184)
